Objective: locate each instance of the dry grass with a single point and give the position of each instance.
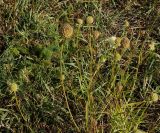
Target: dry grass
(97, 76)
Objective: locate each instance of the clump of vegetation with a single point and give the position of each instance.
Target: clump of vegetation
(79, 66)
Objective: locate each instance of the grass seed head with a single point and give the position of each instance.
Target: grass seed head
(89, 20)
(67, 30)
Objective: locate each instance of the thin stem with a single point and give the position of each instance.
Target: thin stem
(64, 91)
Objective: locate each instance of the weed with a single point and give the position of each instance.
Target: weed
(79, 66)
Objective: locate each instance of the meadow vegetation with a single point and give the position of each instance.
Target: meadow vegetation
(69, 66)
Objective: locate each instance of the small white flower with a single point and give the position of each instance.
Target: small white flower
(112, 40)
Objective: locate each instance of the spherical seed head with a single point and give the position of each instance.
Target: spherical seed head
(118, 56)
(126, 42)
(67, 30)
(13, 87)
(89, 20)
(118, 41)
(96, 34)
(80, 21)
(154, 97)
(102, 59)
(152, 46)
(113, 38)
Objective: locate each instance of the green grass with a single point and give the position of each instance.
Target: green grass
(79, 84)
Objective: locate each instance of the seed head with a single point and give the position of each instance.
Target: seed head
(67, 30)
(89, 20)
(120, 87)
(118, 56)
(13, 87)
(126, 43)
(103, 59)
(152, 46)
(62, 77)
(96, 34)
(80, 21)
(118, 41)
(154, 97)
(112, 39)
